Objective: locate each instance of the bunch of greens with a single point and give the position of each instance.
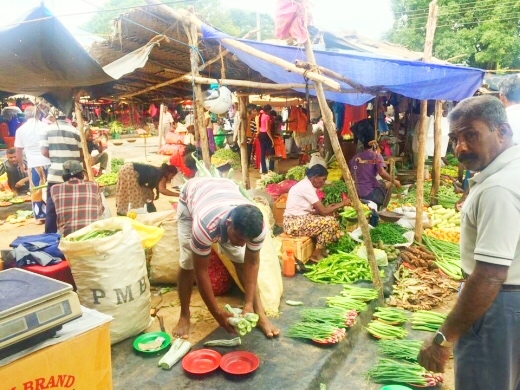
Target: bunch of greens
(296, 173)
(345, 244)
(388, 233)
(116, 164)
(333, 192)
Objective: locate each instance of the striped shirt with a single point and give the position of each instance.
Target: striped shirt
(64, 143)
(78, 204)
(209, 202)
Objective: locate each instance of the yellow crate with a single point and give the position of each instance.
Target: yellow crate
(302, 247)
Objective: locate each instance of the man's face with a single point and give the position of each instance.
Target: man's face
(12, 159)
(475, 144)
(234, 236)
(89, 136)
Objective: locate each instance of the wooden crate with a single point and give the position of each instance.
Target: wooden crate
(278, 210)
(302, 247)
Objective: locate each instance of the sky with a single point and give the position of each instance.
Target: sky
(368, 17)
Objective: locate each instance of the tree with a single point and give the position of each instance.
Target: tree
(482, 34)
(235, 22)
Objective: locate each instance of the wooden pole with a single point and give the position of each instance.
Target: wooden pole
(198, 104)
(437, 142)
(161, 122)
(186, 17)
(242, 141)
(181, 78)
(328, 120)
(421, 136)
(86, 154)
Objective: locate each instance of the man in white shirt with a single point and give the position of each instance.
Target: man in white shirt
(168, 122)
(510, 97)
(27, 141)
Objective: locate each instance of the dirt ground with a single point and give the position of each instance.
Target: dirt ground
(164, 298)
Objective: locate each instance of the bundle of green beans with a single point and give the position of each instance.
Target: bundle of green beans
(447, 256)
(389, 233)
(339, 268)
(390, 315)
(346, 303)
(364, 294)
(384, 331)
(317, 331)
(429, 321)
(393, 371)
(101, 233)
(400, 349)
(334, 316)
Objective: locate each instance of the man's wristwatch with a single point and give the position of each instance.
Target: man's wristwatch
(441, 340)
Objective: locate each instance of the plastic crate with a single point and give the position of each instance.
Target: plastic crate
(60, 271)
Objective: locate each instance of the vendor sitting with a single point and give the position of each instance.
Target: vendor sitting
(365, 166)
(305, 215)
(17, 180)
(102, 156)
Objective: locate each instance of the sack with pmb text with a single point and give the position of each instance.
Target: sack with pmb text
(110, 275)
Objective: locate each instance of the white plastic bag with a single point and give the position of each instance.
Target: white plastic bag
(110, 275)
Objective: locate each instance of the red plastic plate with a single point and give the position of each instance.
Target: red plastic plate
(239, 362)
(201, 361)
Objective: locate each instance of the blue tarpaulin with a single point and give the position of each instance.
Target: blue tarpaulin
(413, 79)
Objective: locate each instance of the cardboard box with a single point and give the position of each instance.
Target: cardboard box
(302, 247)
(81, 363)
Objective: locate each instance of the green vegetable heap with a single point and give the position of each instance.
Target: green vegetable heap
(333, 192)
(389, 233)
(223, 156)
(296, 173)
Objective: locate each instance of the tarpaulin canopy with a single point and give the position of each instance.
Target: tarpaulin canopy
(414, 79)
(40, 57)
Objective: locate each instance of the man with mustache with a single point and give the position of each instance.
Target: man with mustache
(484, 325)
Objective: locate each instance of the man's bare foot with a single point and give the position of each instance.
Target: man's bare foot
(182, 329)
(267, 328)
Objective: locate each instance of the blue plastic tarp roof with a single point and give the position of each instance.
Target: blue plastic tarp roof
(413, 79)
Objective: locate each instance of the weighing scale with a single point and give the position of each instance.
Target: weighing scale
(32, 308)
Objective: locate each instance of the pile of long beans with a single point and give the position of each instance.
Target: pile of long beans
(383, 331)
(390, 315)
(339, 268)
(447, 255)
(400, 349)
(319, 332)
(393, 371)
(364, 294)
(346, 303)
(429, 321)
(334, 316)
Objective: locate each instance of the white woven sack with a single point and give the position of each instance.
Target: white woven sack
(110, 275)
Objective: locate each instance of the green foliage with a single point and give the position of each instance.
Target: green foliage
(115, 127)
(235, 22)
(482, 34)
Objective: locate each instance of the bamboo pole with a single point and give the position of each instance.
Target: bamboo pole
(242, 140)
(86, 154)
(180, 78)
(198, 104)
(161, 123)
(437, 141)
(428, 45)
(327, 72)
(340, 158)
(186, 17)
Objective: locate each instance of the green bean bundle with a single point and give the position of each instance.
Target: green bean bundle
(393, 371)
(429, 321)
(384, 331)
(390, 315)
(400, 349)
